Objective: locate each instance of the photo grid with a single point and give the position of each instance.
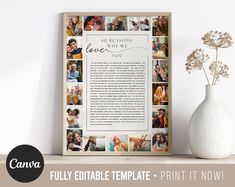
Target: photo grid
(74, 83)
(160, 84)
(76, 138)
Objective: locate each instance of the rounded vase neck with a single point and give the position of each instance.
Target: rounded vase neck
(211, 92)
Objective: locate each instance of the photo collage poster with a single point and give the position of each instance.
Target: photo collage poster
(117, 84)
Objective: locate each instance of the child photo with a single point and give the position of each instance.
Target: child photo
(160, 117)
(118, 143)
(94, 143)
(160, 94)
(73, 117)
(94, 23)
(74, 140)
(139, 24)
(160, 71)
(74, 71)
(160, 47)
(160, 26)
(117, 23)
(160, 141)
(74, 26)
(74, 94)
(140, 142)
(74, 47)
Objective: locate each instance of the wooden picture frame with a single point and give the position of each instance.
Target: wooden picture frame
(117, 83)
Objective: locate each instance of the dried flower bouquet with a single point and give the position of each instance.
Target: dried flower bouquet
(196, 60)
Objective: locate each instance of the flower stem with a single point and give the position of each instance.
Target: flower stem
(206, 75)
(216, 62)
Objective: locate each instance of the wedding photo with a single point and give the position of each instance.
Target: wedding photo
(74, 140)
(160, 93)
(94, 23)
(74, 47)
(74, 26)
(118, 143)
(160, 26)
(160, 116)
(139, 23)
(140, 142)
(117, 23)
(74, 94)
(94, 143)
(73, 117)
(160, 47)
(160, 141)
(74, 71)
(160, 71)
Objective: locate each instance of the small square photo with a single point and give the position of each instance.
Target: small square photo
(160, 116)
(140, 142)
(160, 71)
(118, 143)
(74, 94)
(117, 23)
(94, 23)
(160, 26)
(160, 94)
(160, 141)
(74, 140)
(160, 47)
(139, 24)
(73, 117)
(94, 143)
(74, 71)
(74, 48)
(74, 26)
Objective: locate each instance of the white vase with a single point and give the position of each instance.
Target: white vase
(211, 128)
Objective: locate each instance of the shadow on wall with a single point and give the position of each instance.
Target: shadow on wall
(180, 138)
(46, 125)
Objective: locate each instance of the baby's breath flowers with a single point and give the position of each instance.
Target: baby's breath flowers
(196, 60)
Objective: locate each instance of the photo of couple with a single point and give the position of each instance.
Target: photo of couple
(117, 23)
(74, 71)
(139, 24)
(160, 47)
(74, 140)
(94, 23)
(160, 71)
(74, 26)
(74, 94)
(73, 117)
(160, 141)
(160, 26)
(74, 48)
(160, 94)
(159, 117)
(140, 142)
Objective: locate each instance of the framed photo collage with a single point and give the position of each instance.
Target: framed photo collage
(117, 83)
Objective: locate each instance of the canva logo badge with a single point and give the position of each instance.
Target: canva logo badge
(25, 163)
